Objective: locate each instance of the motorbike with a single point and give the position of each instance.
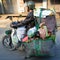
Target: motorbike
(36, 45)
(13, 37)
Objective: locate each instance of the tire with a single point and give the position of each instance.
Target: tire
(6, 41)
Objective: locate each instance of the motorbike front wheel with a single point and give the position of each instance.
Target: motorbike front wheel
(6, 41)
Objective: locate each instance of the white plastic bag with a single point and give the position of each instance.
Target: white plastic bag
(31, 31)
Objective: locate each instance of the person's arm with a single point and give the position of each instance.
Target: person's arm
(29, 18)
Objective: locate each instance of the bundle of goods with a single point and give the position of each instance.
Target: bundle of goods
(41, 40)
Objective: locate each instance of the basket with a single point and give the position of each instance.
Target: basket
(39, 47)
(8, 32)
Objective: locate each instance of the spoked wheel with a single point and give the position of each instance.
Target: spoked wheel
(6, 41)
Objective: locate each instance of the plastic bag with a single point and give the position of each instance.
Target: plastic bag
(21, 32)
(43, 30)
(25, 39)
(42, 33)
(14, 40)
(31, 31)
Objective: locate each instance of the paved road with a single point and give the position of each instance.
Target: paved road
(5, 54)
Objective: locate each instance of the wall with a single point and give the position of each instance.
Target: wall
(55, 6)
(38, 4)
(14, 4)
(7, 5)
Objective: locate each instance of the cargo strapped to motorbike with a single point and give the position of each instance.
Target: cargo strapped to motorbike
(38, 46)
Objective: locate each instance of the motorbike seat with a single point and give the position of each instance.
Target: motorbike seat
(14, 25)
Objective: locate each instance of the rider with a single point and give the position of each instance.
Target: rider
(27, 23)
(29, 20)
